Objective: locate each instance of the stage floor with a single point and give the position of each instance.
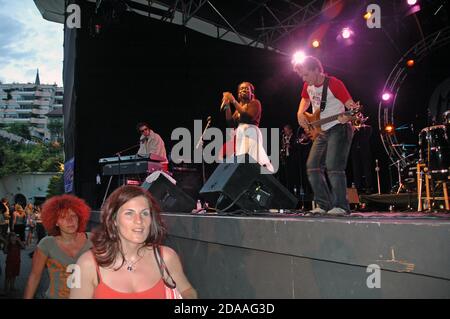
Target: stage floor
(279, 255)
(388, 215)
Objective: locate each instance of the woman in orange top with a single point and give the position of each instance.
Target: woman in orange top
(65, 218)
(128, 260)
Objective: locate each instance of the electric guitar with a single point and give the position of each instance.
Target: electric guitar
(314, 121)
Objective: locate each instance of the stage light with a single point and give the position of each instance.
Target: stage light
(414, 7)
(298, 57)
(346, 33)
(345, 36)
(389, 128)
(98, 28)
(316, 43)
(386, 96)
(410, 63)
(133, 182)
(367, 15)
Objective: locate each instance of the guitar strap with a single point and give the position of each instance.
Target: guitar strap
(323, 101)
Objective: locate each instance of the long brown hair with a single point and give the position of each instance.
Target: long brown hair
(107, 245)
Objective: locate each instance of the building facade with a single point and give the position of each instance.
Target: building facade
(26, 187)
(38, 105)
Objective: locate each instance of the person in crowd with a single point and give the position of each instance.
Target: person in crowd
(4, 219)
(40, 229)
(128, 259)
(19, 221)
(65, 218)
(30, 224)
(12, 267)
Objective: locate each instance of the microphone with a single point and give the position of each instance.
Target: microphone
(144, 139)
(223, 105)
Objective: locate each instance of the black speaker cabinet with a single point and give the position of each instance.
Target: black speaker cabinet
(170, 197)
(244, 185)
(189, 179)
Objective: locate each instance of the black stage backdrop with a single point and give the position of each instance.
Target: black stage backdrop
(142, 69)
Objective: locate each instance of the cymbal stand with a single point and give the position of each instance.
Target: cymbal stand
(400, 183)
(377, 169)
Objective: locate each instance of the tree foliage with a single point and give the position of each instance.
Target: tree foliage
(56, 128)
(20, 129)
(55, 186)
(19, 158)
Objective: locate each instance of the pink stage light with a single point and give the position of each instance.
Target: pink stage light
(298, 57)
(411, 2)
(386, 96)
(346, 33)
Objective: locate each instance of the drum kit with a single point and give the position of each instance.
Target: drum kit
(433, 163)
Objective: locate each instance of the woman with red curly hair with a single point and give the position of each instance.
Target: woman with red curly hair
(65, 218)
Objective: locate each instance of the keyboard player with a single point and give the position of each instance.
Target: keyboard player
(150, 142)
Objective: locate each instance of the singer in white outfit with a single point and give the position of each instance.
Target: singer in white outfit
(247, 115)
(151, 142)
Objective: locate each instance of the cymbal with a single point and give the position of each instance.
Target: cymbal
(404, 145)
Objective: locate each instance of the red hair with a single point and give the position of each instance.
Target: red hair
(58, 206)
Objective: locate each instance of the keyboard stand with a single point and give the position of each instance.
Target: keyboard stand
(107, 189)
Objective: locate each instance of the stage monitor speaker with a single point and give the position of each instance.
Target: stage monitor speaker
(242, 182)
(170, 197)
(189, 179)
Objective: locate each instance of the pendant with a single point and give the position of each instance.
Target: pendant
(130, 268)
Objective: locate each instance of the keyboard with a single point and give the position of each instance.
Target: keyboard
(133, 168)
(131, 158)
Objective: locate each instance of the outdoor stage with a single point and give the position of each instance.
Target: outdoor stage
(292, 256)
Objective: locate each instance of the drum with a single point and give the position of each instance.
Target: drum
(434, 146)
(408, 175)
(446, 118)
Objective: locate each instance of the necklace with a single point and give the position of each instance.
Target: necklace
(131, 265)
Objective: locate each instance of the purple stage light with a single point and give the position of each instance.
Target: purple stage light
(411, 2)
(386, 96)
(298, 57)
(346, 33)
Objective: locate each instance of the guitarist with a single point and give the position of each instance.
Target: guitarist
(331, 147)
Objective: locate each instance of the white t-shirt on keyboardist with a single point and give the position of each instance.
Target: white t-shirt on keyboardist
(336, 97)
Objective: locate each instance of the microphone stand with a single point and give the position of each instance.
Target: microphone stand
(119, 153)
(377, 169)
(397, 164)
(200, 143)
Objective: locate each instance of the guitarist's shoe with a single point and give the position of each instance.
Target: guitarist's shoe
(337, 211)
(316, 211)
